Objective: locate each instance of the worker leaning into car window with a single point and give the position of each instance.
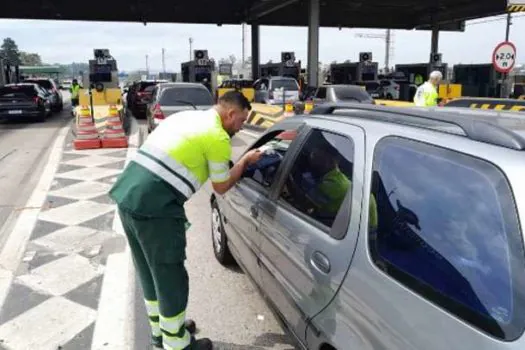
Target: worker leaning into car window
(331, 190)
(172, 164)
(427, 94)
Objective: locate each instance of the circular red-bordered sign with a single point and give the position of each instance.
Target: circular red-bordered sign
(504, 57)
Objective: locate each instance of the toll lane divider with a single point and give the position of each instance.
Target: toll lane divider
(498, 104)
(264, 116)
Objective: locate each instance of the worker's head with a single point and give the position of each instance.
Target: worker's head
(435, 77)
(233, 107)
(75, 81)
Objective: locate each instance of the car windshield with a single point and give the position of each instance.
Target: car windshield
(17, 91)
(181, 96)
(351, 94)
(287, 84)
(147, 87)
(46, 84)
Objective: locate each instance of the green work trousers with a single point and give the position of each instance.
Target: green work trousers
(158, 249)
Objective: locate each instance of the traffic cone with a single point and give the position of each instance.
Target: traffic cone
(87, 134)
(288, 110)
(308, 106)
(114, 134)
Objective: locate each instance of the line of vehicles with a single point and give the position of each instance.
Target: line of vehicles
(34, 98)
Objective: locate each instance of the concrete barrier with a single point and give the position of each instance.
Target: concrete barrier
(499, 104)
(264, 116)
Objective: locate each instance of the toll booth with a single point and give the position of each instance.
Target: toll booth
(199, 70)
(478, 80)
(353, 73)
(288, 67)
(417, 73)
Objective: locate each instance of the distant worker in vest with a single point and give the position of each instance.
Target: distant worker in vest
(427, 94)
(168, 169)
(74, 89)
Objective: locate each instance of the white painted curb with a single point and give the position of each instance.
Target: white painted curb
(16, 243)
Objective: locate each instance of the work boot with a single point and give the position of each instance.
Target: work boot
(156, 342)
(190, 325)
(200, 344)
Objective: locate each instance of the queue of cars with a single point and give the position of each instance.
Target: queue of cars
(376, 228)
(26, 101)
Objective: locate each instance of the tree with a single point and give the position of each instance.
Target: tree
(232, 59)
(30, 59)
(9, 51)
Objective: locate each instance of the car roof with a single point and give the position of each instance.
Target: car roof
(21, 84)
(168, 85)
(505, 129)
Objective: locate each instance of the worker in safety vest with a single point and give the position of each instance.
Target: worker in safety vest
(427, 94)
(74, 89)
(169, 168)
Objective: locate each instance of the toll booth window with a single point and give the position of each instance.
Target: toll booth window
(183, 96)
(448, 230)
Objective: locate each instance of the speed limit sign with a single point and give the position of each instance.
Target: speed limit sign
(504, 57)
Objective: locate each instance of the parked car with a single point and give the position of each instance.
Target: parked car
(24, 100)
(389, 89)
(270, 90)
(138, 95)
(376, 228)
(170, 98)
(57, 102)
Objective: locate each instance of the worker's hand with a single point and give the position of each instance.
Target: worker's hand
(253, 156)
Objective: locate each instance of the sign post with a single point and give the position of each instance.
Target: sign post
(503, 60)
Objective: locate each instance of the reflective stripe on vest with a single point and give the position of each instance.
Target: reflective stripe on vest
(171, 164)
(165, 173)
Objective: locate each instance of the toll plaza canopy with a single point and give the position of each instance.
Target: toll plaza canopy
(398, 14)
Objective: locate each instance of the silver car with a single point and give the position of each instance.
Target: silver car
(376, 228)
(170, 98)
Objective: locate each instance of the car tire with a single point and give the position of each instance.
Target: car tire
(218, 237)
(41, 117)
(389, 97)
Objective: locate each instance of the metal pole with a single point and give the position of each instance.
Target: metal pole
(191, 42)
(163, 61)
(255, 51)
(147, 66)
(313, 42)
(387, 54)
(243, 26)
(503, 89)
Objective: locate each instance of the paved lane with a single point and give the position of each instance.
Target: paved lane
(24, 148)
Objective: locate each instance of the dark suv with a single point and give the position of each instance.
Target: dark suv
(139, 95)
(57, 102)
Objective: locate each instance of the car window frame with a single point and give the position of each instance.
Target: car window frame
(344, 214)
(302, 131)
(437, 301)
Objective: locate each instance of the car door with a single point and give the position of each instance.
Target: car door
(305, 247)
(240, 205)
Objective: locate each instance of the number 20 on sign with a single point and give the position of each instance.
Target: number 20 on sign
(504, 57)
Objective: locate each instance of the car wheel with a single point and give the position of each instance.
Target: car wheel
(218, 237)
(41, 117)
(389, 97)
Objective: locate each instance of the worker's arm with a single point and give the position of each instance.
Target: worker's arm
(235, 173)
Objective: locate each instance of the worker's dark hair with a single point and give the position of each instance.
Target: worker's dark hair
(236, 98)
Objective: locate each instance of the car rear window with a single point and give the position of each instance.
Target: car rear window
(17, 91)
(287, 84)
(144, 86)
(181, 96)
(448, 230)
(46, 84)
(352, 94)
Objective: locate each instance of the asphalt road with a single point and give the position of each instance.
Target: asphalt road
(223, 301)
(24, 149)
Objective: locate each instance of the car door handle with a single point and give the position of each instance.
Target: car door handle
(254, 212)
(320, 262)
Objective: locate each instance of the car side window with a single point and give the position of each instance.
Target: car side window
(321, 93)
(274, 147)
(321, 176)
(448, 230)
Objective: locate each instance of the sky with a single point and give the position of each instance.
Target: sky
(69, 41)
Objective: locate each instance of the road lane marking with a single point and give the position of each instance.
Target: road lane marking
(16, 243)
(114, 327)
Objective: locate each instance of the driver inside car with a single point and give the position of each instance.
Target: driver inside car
(326, 186)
